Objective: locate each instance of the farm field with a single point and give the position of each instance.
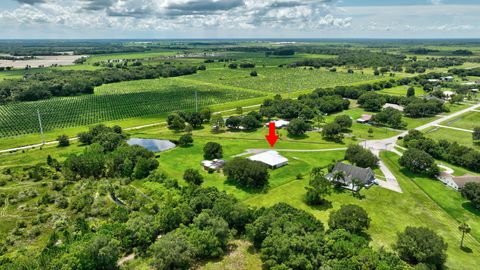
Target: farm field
(159, 96)
(401, 91)
(280, 80)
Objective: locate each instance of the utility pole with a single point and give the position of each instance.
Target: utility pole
(196, 101)
(41, 126)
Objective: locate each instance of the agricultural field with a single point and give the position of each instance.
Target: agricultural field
(115, 101)
(461, 137)
(401, 91)
(280, 80)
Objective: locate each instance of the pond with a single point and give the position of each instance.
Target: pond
(152, 145)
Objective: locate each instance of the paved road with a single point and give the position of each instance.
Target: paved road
(260, 150)
(389, 145)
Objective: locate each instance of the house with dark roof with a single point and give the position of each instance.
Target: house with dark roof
(350, 173)
(457, 182)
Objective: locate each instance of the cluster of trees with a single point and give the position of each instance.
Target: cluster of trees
(444, 150)
(306, 107)
(74, 82)
(334, 131)
(360, 156)
(471, 191)
(281, 52)
(357, 58)
(389, 117)
(248, 122)
(178, 120)
(247, 173)
(108, 156)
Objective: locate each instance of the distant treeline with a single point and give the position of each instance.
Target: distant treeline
(72, 82)
(355, 58)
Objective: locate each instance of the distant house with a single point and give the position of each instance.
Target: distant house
(457, 182)
(365, 118)
(213, 165)
(350, 173)
(279, 123)
(433, 80)
(271, 158)
(447, 78)
(393, 106)
(475, 90)
(469, 83)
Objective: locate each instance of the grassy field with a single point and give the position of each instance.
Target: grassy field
(469, 121)
(461, 137)
(401, 91)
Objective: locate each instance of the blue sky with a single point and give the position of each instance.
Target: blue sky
(239, 19)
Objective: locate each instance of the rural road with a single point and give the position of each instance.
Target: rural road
(389, 145)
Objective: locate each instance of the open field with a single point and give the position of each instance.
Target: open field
(468, 121)
(401, 91)
(42, 61)
(461, 137)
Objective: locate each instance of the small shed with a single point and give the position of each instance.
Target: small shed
(213, 165)
(271, 158)
(365, 118)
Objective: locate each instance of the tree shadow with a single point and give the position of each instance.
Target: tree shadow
(249, 190)
(469, 207)
(298, 137)
(325, 205)
(466, 249)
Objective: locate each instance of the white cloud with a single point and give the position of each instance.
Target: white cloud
(436, 2)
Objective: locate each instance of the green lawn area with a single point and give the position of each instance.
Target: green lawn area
(401, 91)
(135, 55)
(461, 137)
(469, 121)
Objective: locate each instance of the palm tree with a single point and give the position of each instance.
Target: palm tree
(356, 183)
(464, 228)
(338, 176)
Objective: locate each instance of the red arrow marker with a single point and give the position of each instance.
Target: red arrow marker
(272, 137)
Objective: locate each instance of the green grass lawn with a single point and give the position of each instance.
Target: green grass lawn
(469, 121)
(401, 91)
(461, 137)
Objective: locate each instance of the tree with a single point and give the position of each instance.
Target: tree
(319, 186)
(233, 122)
(419, 161)
(297, 127)
(471, 191)
(389, 117)
(464, 228)
(421, 245)
(212, 150)
(177, 123)
(63, 141)
(351, 218)
(239, 110)
(195, 119)
(370, 132)
(188, 129)
(371, 101)
(193, 177)
(205, 114)
(250, 122)
(360, 156)
(247, 173)
(172, 251)
(144, 167)
(185, 140)
(254, 73)
(338, 177)
(344, 121)
(410, 92)
(476, 135)
(217, 123)
(332, 131)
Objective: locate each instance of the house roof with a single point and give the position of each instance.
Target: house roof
(271, 158)
(365, 117)
(365, 175)
(462, 180)
(393, 106)
(280, 123)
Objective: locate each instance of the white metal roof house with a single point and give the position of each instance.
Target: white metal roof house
(393, 106)
(365, 118)
(214, 165)
(271, 158)
(279, 123)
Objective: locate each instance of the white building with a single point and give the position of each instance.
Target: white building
(393, 106)
(271, 158)
(457, 182)
(279, 123)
